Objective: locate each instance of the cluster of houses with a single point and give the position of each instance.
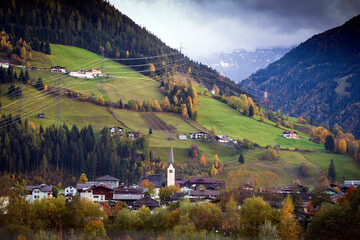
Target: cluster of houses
(92, 73)
(196, 189)
(204, 136)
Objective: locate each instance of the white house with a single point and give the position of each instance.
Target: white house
(58, 69)
(81, 74)
(182, 137)
(352, 182)
(290, 134)
(39, 192)
(213, 91)
(70, 191)
(96, 71)
(4, 63)
(116, 130)
(198, 135)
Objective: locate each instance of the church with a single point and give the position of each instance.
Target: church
(171, 169)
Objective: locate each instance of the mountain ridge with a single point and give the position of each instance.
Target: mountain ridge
(320, 78)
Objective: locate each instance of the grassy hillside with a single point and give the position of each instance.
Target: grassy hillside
(237, 126)
(127, 83)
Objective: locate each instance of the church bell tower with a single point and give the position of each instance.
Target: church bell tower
(171, 169)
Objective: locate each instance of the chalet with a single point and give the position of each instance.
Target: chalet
(97, 193)
(198, 135)
(116, 130)
(96, 71)
(128, 195)
(222, 138)
(4, 63)
(107, 181)
(58, 69)
(182, 137)
(290, 134)
(39, 192)
(81, 74)
(41, 115)
(147, 202)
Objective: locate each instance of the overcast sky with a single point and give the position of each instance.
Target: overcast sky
(209, 26)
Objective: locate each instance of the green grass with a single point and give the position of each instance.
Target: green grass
(346, 167)
(127, 83)
(73, 112)
(237, 126)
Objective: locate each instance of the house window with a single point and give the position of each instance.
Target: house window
(170, 171)
(96, 196)
(89, 191)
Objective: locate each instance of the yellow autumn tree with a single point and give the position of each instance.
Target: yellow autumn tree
(272, 154)
(341, 146)
(127, 54)
(289, 228)
(270, 179)
(203, 160)
(32, 125)
(156, 106)
(83, 178)
(214, 171)
(184, 113)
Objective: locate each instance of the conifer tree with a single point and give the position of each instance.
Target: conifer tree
(330, 143)
(241, 158)
(331, 171)
(251, 111)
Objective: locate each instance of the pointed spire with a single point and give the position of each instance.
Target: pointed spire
(171, 158)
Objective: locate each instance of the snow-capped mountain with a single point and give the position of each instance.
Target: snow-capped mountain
(240, 64)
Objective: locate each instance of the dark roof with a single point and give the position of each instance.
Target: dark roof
(156, 179)
(146, 201)
(200, 180)
(176, 196)
(125, 197)
(4, 61)
(58, 67)
(128, 191)
(81, 186)
(41, 187)
(107, 178)
(102, 186)
(203, 193)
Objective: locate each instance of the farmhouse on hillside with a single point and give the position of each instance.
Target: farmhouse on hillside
(58, 69)
(198, 135)
(290, 134)
(222, 138)
(81, 74)
(96, 71)
(41, 115)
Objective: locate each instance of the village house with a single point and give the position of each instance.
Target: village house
(107, 181)
(116, 130)
(203, 193)
(222, 138)
(39, 192)
(70, 192)
(182, 137)
(147, 202)
(290, 134)
(212, 91)
(129, 195)
(96, 71)
(198, 135)
(41, 115)
(81, 74)
(156, 179)
(4, 63)
(99, 193)
(58, 69)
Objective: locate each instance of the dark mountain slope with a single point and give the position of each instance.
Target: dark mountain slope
(90, 24)
(319, 78)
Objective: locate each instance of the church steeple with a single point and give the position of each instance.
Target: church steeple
(171, 169)
(171, 157)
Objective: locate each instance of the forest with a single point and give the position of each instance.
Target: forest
(97, 26)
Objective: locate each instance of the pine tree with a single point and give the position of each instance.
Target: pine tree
(331, 171)
(150, 130)
(241, 158)
(330, 143)
(251, 111)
